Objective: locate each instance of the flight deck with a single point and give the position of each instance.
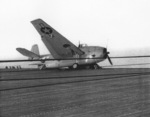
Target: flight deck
(75, 93)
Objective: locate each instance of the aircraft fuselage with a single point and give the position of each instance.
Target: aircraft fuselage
(92, 55)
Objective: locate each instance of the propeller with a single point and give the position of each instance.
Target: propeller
(107, 56)
(109, 60)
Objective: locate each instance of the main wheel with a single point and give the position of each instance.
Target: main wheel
(95, 66)
(75, 66)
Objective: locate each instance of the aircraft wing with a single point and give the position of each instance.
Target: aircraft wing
(27, 53)
(58, 45)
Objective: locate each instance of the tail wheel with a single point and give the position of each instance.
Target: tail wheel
(75, 66)
(41, 67)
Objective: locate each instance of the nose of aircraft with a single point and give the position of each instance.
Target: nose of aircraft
(105, 52)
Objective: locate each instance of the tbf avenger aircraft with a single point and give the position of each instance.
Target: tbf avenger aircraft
(63, 52)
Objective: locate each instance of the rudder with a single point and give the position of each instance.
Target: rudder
(35, 49)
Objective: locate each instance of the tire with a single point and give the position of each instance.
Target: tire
(75, 66)
(95, 66)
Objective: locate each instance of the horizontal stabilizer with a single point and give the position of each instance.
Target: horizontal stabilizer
(27, 53)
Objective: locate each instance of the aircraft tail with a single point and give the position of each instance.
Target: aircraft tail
(33, 54)
(35, 49)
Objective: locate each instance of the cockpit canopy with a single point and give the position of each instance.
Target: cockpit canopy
(82, 45)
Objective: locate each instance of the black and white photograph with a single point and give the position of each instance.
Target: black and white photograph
(74, 58)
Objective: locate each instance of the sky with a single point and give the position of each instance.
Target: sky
(123, 26)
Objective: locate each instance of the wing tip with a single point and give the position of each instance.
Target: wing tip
(18, 49)
(36, 20)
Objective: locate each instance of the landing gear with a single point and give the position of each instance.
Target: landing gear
(75, 66)
(95, 66)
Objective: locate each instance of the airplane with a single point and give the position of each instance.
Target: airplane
(62, 51)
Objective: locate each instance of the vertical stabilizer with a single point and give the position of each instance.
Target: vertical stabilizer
(35, 49)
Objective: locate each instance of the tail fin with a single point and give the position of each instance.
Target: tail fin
(35, 49)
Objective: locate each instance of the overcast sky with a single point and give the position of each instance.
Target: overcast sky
(123, 25)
